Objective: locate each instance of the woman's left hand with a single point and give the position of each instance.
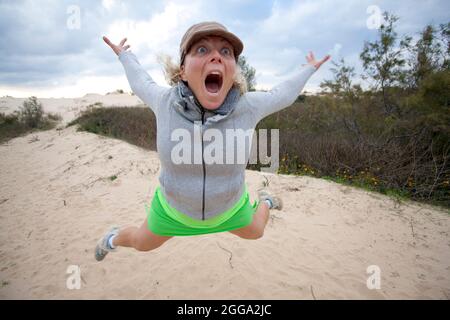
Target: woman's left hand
(312, 61)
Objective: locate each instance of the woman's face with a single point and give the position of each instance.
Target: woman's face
(209, 69)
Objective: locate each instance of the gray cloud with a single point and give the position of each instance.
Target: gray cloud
(38, 48)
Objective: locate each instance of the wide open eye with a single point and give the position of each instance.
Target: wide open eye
(202, 50)
(226, 51)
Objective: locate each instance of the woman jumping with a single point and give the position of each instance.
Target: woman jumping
(208, 98)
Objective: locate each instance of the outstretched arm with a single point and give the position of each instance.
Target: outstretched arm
(283, 95)
(140, 81)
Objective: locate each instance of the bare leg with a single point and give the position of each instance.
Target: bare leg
(256, 229)
(141, 239)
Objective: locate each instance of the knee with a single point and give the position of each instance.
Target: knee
(259, 235)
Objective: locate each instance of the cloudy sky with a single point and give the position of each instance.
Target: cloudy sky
(54, 48)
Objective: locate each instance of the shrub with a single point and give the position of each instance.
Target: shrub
(31, 113)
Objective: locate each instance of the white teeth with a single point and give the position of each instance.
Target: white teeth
(216, 72)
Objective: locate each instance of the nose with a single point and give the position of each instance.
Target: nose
(215, 56)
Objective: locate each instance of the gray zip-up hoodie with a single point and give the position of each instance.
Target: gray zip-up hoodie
(201, 188)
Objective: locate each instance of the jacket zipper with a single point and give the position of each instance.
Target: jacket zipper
(204, 169)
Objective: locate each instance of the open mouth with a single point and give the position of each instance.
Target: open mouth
(213, 82)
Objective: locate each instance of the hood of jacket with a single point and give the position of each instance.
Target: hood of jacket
(190, 108)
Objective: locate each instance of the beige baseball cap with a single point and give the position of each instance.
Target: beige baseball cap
(208, 28)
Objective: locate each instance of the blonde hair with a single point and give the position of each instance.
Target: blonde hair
(172, 73)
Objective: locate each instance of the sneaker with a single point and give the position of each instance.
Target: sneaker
(276, 201)
(102, 248)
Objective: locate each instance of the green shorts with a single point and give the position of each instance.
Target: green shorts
(164, 220)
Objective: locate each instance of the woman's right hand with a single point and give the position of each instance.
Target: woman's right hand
(116, 48)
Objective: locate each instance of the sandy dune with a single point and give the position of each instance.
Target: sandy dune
(56, 200)
(70, 108)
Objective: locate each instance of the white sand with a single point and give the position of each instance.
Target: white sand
(70, 108)
(56, 201)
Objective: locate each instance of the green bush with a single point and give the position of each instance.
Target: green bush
(30, 117)
(136, 125)
(54, 117)
(31, 113)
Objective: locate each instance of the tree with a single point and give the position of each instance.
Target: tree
(341, 84)
(445, 41)
(426, 54)
(248, 72)
(341, 87)
(383, 60)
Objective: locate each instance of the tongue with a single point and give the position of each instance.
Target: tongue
(212, 87)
